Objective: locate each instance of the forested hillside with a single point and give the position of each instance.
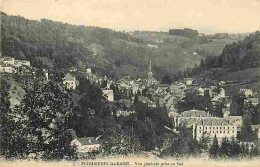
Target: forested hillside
(237, 56)
(56, 45)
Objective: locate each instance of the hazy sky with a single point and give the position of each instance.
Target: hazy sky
(208, 16)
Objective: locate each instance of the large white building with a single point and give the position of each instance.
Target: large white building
(203, 123)
(214, 126)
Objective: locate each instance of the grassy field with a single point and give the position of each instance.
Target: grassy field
(177, 56)
(215, 47)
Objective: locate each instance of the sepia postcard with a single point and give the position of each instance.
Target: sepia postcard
(122, 83)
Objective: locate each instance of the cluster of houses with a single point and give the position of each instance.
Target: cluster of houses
(70, 82)
(10, 65)
(249, 97)
(201, 122)
(155, 94)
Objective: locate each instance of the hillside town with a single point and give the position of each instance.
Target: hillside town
(215, 120)
(130, 83)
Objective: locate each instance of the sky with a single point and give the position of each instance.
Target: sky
(207, 16)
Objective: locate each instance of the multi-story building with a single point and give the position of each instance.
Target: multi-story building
(7, 68)
(203, 123)
(214, 126)
(8, 61)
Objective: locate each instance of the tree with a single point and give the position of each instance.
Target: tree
(41, 122)
(117, 93)
(124, 142)
(245, 149)
(225, 148)
(193, 100)
(213, 151)
(203, 143)
(254, 151)
(247, 134)
(166, 79)
(136, 99)
(103, 84)
(236, 149)
(91, 110)
(185, 143)
(7, 124)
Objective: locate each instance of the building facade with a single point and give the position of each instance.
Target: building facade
(69, 81)
(109, 94)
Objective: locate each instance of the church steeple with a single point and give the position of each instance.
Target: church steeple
(150, 75)
(150, 67)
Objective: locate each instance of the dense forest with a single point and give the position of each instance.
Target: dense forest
(184, 32)
(237, 56)
(59, 46)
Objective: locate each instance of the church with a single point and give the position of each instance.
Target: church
(150, 79)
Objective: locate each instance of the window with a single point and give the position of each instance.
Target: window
(200, 131)
(233, 127)
(233, 131)
(205, 127)
(209, 127)
(209, 131)
(220, 128)
(213, 127)
(227, 131)
(223, 131)
(228, 127)
(217, 127)
(200, 127)
(219, 131)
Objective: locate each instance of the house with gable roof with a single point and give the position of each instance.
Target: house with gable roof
(86, 145)
(69, 81)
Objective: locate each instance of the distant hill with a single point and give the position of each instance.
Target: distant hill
(240, 59)
(59, 46)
